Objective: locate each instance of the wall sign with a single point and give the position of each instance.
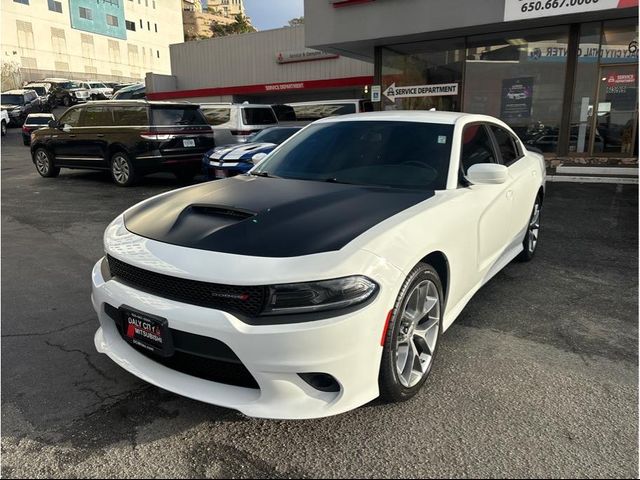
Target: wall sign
(525, 9)
(394, 92)
(376, 93)
(306, 55)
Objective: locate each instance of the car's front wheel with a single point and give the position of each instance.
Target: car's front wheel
(66, 101)
(412, 335)
(122, 170)
(44, 163)
(530, 242)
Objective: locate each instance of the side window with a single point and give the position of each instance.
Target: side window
(506, 144)
(71, 118)
(217, 116)
(130, 116)
(476, 147)
(97, 117)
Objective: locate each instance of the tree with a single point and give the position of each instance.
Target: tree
(296, 22)
(240, 25)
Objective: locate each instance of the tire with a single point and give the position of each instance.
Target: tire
(43, 161)
(26, 142)
(400, 379)
(530, 242)
(66, 101)
(122, 171)
(3, 128)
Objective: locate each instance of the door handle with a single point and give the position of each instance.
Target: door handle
(100, 135)
(72, 136)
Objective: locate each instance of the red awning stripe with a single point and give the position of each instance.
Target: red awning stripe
(264, 88)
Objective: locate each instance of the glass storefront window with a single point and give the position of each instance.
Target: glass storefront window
(519, 78)
(424, 63)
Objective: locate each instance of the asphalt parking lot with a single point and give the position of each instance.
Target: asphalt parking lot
(537, 378)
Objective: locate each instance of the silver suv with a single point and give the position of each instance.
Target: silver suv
(235, 123)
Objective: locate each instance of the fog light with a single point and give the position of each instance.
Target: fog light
(322, 382)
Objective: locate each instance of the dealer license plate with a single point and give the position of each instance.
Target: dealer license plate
(146, 331)
(189, 142)
(220, 173)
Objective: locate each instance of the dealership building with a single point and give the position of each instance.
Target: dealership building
(562, 73)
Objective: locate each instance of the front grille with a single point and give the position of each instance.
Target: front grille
(201, 357)
(247, 301)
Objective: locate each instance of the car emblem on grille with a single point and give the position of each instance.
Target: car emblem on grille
(243, 296)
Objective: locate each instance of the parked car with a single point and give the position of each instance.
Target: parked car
(43, 89)
(4, 121)
(132, 92)
(67, 92)
(326, 276)
(33, 122)
(129, 138)
(312, 111)
(97, 90)
(235, 123)
(19, 104)
(118, 86)
(223, 162)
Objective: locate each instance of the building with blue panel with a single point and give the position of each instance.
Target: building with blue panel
(105, 17)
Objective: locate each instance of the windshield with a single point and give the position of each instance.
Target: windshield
(258, 116)
(37, 120)
(41, 91)
(317, 111)
(10, 99)
(382, 153)
(97, 85)
(68, 85)
(274, 135)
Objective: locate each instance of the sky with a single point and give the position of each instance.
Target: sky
(268, 14)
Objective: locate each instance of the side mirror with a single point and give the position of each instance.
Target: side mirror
(487, 173)
(258, 157)
(53, 123)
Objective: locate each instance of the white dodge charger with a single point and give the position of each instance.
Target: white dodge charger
(326, 276)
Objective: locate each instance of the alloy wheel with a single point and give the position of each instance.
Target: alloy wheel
(534, 228)
(418, 333)
(42, 162)
(120, 169)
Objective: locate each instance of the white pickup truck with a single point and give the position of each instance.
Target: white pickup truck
(4, 121)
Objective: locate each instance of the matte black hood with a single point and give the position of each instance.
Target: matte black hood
(267, 217)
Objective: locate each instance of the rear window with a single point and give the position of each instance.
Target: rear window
(217, 116)
(178, 116)
(37, 120)
(130, 116)
(39, 90)
(258, 116)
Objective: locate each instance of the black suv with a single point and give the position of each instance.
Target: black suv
(19, 104)
(128, 137)
(67, 92)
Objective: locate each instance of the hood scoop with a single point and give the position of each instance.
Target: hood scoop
(201, 221)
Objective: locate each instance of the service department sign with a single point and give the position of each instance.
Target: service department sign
(525, 9)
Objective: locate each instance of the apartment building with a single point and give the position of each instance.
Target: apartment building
(226, 8)
(117, 40)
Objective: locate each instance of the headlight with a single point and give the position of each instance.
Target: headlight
(319, 296)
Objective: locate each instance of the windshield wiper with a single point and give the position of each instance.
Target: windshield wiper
(264, 174)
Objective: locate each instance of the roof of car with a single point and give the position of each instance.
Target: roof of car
(40, 115)
(37, 84)
(19, 91)
(401, 116)
(251, 105)
(134, 102)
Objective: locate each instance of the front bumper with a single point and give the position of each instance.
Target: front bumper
(345, 347)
